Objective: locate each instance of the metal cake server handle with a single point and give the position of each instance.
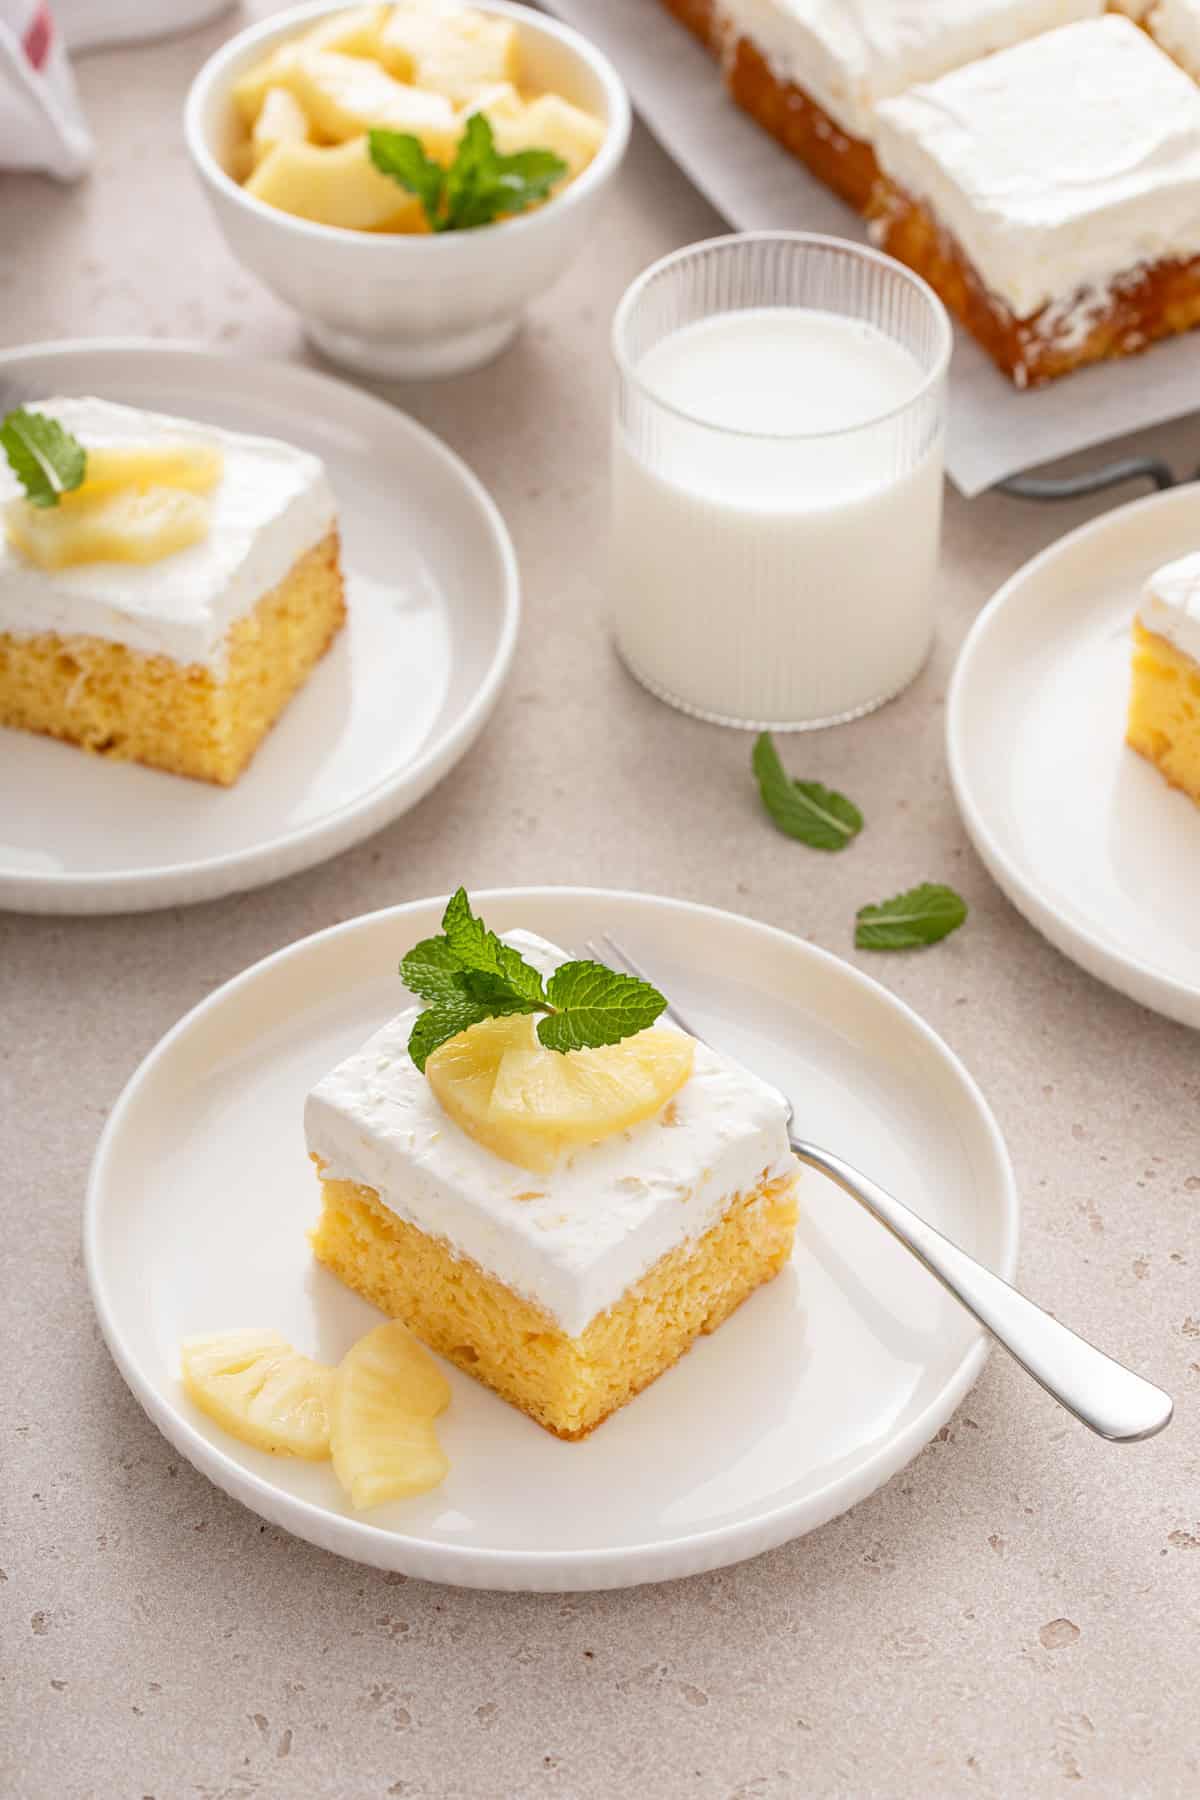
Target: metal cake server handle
(1102, 1394)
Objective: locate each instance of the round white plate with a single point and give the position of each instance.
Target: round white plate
(1084, 836)
(820, 1388)
(434, 604)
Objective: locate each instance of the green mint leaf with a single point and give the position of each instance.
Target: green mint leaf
(482, 185)
(402, 156)
(438, 1024)
(432, 970)
(595, 1005)
(468, 179)
(497, 993)
(46, 459)
(921, 916)
(815, 815)
(478, 948)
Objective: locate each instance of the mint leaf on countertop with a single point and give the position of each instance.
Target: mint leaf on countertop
(469, 974)
(480, 185)
(814, 815)
(923, 915)
(45, 458)
(596, 1005)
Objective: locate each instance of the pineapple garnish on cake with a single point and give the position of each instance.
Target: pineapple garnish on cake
(165, 587)
(549, 1186)
(1164, 703)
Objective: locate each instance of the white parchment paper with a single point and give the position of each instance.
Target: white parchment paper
(994, 430)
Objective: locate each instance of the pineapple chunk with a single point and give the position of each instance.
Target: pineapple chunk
(386, 1394)
(552, 123)
(282, 121)
(531, 1106)
(345, 96)
(351, 33)
(196, 467)
(449, 53)
(499, 100)
(339, 186)
(126, 525)
(261, 1390)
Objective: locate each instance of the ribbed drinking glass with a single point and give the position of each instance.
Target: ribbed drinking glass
(777, 478)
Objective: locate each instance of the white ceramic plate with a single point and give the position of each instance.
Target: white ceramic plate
(1083, 835)
(434, 605)
(819, 1389)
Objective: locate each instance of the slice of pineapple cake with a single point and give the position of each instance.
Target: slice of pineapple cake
(165, 587)
(561, 1225)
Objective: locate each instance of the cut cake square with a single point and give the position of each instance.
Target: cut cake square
(183, 663)
(1175, 27)
(1164, 702)
(570, 1292)
(813, 71)
(1051, 196)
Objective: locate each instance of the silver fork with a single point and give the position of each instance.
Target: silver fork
(1104, 1395)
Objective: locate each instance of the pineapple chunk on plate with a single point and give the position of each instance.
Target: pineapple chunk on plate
(336, 186)
(551, 123)
(126, 525)
(345, 96)
(354, 32)
(532, 1106)
(282, 120)
(254, 1385)
(449, 53)
(387, 1391)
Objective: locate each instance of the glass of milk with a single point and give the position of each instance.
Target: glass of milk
(777, 478)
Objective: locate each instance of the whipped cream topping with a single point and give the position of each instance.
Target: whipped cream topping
(1175, 24)
(1171, 604)
(574, 1241)
(1059, 166)
(271, 505)
(848, 55)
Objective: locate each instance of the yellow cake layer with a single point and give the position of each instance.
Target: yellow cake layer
(186, 718)
(569, 1385)
(1164, 709)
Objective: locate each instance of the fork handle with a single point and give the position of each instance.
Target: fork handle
(1103, 1394)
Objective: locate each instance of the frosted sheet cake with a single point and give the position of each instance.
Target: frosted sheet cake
(813, 71)
(1051, 195)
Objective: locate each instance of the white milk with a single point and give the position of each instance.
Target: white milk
(763, 577)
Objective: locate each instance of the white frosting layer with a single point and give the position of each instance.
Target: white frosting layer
(1060, 165)
(574, 1241)
(271, 505)
(1175, 24)
(848, 55)
(1171, 603)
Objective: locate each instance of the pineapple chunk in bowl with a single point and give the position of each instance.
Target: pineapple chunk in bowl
(379, 293)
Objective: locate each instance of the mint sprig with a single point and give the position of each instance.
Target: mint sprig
(814, 815)
(45, 458)
(468, 975)
(923, 915)
(480, 185)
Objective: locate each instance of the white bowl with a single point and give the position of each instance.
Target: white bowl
(409, 306)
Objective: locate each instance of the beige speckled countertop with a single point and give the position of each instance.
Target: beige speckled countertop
(1015, 1614)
